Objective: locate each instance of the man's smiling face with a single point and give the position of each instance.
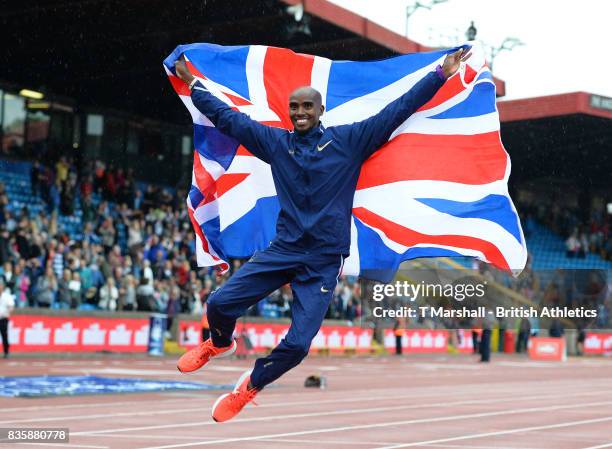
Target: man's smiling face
(305, 109)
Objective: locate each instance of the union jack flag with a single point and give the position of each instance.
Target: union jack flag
(437, 188)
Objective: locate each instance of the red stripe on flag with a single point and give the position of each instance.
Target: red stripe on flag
(204, 181)
(242, 151)
(285, 71)
(409, 237)
(229, 181)
(469, 75)
(237, 100)
(472, 159)
(179, 86)
(449, 89)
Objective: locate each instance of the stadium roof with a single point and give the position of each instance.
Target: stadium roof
(566, 137)
(555, 106)
(368, 31)
(108, 53)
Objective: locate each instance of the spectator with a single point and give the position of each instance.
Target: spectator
(134, 236)
(572, 245)
(8, 276)
(109, 295)
(61, 169)
(523, 335)
(64, 299)
(7, 304)
(76, 292)
(22, 284)
(45, 289)
(107, 233)
(144, 295)
(127, 294)
(556, 328)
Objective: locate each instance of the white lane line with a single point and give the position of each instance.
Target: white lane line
(92, 405)
(157, 437)
(471, 446)
(332, 413)
(601, 446)
(501, 432)
(326, 442)
(394, 423)
(66, 445)
(273, 405)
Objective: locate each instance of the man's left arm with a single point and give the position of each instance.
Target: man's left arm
(371, 134)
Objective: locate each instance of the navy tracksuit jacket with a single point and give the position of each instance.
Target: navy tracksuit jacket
(315, 175)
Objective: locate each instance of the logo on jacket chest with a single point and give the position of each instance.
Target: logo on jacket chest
(322, 147)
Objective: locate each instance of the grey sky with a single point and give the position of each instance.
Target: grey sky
(566, 42)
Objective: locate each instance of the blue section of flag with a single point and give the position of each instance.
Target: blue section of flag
(351, 79)
(213, 144)
(224, 65)
(485, 75)
(376, 260)
(261, 225)
(480, 101)
(195, 196)
(211, 230)
(495, 208)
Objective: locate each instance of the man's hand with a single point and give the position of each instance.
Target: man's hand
(182, 71)
(453, 60)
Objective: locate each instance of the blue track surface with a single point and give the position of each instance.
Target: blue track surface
(39, 386)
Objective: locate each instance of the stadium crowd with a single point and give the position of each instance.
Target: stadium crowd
(134, 249)
(582, 234)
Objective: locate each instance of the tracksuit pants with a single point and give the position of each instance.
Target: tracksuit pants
(313, 279)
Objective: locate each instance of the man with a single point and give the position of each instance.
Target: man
(488, 322)
(315, 171)
(7, 304)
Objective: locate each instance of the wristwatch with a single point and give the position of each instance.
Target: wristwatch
(192, 83)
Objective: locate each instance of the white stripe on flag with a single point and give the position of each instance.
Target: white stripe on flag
(481, 124)
(451, 191)
(351, 263)
(196, 116)
(320, 76)
(254, 74)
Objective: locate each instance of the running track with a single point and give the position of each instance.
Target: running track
(383, 402)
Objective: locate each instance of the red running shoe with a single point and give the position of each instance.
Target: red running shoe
(230, 404)
(199, 356)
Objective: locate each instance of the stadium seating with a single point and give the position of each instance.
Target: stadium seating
(16, 178)
(548, 252)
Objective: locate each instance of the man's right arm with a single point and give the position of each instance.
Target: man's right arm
(257, 138)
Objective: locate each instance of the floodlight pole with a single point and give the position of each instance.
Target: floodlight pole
(508, 44)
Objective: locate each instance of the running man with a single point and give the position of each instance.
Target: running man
(315, 171)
